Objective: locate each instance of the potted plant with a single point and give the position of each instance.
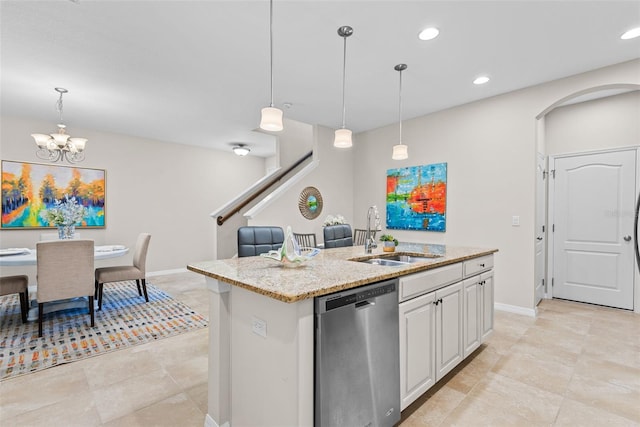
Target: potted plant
(389, 243)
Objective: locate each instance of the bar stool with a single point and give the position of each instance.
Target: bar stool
(17, 285)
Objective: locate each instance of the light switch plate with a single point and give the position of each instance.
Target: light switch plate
(259, 327)
(515, 220)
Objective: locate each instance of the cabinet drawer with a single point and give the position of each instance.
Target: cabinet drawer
(478, 265)
(420, 283)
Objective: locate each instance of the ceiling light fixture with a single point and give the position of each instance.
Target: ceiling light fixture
(343, 135)
(428, 34)
(60, 146)
(241, 150)
(481, 80)
(631, 34)
(400, 150)
(271, 119)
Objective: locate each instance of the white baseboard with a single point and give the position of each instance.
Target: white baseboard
(531, 312)
(209, 422)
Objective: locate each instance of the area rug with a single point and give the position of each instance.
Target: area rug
(125, 320)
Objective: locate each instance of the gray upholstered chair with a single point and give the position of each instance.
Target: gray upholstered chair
(359, 236)
(17, 285)
(120, 273)
(65, 270)
(256, 240)
(306, 240)
(337, 236)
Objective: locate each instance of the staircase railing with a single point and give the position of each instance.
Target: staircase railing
(250, 198)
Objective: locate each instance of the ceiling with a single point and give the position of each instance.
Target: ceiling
(197, 72)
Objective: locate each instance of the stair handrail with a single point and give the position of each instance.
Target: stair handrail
(223, 218)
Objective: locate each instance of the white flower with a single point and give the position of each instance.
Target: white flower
(68, 212)
(333, 220)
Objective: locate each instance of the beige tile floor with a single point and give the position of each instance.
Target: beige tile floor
(574, 365)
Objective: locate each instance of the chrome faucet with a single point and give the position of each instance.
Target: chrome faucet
(370, 242)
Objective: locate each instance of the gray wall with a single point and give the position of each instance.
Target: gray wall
(165, 189)
(490, 148)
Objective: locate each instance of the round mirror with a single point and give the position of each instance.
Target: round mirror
(310, 202)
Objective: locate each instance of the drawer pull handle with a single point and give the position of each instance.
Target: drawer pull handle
(482, 265)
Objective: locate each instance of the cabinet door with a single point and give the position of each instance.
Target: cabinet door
(417, 347)
(449, 309)
(472, 318)
(486, 287)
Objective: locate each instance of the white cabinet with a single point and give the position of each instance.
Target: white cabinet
(486, 286)
(445, 314)
(417, 347)
(478, 311)
(449, 351)
(472, 315)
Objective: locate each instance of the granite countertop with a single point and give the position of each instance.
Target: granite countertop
(330, 271)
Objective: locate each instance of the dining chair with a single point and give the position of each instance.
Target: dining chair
(306, 240)
(120, 273)
(17, 285)
(359, 236)
(64, 271)
(255, 240)
(337, 236)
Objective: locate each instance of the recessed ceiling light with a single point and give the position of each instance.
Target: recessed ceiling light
(481, 80)
(428, 34)
(631, 34)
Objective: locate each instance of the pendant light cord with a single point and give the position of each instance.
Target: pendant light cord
(400, 106)
(344, 78)
(271, 47)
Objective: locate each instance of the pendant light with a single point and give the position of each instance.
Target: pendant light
(400, 151)
(343, 135)
(271, 116)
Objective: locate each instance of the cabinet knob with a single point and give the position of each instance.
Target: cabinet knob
(482, 265)
(627, 238)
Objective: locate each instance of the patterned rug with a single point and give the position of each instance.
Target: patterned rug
(124, 321)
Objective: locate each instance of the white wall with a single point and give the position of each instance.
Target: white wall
(333, 178)
(165, 189)
(602, 123)
(490, 149)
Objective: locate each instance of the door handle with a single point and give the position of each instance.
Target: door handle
(627, 238)
(538, 238)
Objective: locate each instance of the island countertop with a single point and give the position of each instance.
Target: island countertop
(332, 270)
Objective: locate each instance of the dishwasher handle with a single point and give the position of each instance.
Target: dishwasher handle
(365, 304)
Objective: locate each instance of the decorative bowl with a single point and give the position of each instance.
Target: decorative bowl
(297, 260)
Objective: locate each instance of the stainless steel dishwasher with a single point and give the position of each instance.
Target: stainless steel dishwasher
(357, 367)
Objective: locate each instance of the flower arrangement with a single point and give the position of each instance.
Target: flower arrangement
(67, 212)
(333, 220)
(388, 238)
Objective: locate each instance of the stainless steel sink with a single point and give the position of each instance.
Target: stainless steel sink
(398, 260)
(387, 262)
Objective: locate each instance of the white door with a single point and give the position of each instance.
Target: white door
(541, 208)
(594, 201)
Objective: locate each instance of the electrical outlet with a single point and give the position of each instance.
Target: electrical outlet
(515, 220)
(259, 327)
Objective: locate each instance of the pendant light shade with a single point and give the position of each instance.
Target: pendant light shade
(400, 150)
(343, 138)
(271, 119)
(343, 135)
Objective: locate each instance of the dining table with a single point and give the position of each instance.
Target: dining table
(15, 257)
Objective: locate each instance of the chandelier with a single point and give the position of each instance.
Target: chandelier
(57, 147)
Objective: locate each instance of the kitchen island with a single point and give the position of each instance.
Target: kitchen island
(261, 356)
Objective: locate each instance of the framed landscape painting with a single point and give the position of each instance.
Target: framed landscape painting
(417, 198)
(28, 189)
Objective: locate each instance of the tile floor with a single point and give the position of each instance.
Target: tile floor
(574, 365)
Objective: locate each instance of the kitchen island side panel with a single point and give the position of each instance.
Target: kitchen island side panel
(272, 375)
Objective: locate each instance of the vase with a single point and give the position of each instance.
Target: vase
(389, 247)
(66, 231)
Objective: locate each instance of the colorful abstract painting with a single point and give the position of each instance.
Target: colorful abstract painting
(417, 198)
(30, 188)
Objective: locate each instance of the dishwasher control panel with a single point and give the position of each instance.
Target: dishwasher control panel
(355, 296)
